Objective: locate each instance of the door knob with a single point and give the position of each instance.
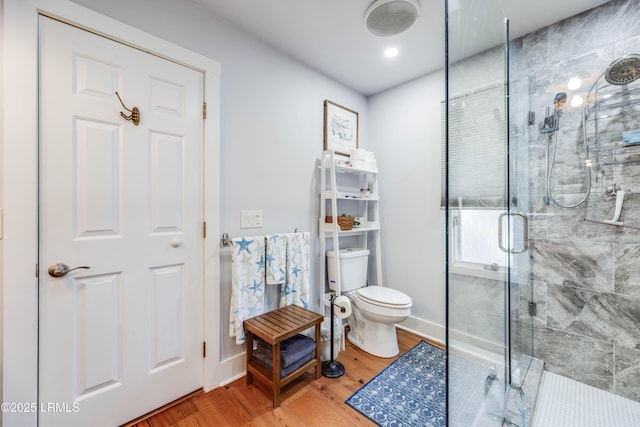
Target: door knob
(60, 269)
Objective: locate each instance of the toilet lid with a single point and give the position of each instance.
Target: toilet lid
(387, 297)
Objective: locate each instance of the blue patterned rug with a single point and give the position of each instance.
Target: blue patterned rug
(409, 392)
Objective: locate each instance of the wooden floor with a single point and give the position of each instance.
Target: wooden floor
(305, 402)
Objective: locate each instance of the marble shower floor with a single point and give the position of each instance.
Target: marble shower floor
(563, 402)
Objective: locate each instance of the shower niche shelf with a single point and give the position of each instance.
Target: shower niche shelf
(611, 110)
(609, 97)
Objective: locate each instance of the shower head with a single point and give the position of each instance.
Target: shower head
(623, 70)
(559, 100)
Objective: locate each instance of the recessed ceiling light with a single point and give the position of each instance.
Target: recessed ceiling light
(392, 52)
(576, 101)
(574, 83)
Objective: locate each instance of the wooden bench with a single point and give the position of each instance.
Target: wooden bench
(273, 328)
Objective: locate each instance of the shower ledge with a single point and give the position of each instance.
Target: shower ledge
(614, 224)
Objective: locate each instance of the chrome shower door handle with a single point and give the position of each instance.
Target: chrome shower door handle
(60, 269)
(500, 239)
(525, 232)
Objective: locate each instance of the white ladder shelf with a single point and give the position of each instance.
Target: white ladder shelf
(345, 189)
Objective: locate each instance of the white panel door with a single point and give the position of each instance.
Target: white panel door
(125, 336)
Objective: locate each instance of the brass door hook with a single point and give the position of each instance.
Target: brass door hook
(134, 117)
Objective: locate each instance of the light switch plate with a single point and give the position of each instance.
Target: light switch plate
(250, 219)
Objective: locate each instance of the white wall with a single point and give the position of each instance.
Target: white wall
(404, 129)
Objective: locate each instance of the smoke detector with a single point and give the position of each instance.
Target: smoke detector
(386, 18)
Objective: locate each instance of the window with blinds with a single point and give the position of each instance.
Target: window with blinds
(477, 149)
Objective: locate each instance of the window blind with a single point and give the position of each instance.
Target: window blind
(477, 149)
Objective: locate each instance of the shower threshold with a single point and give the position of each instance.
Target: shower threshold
(530, 378)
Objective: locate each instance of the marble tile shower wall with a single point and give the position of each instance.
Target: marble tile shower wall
(585, 277)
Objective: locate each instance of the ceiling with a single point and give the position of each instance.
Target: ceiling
(329, 35)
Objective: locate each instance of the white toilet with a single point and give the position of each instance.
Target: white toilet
(376, 309)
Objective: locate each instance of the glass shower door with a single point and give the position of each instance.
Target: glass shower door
(486, 233)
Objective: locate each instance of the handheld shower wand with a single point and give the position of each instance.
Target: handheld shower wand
(558, 104)
(552, 121)
(559, 100)
(550, 127)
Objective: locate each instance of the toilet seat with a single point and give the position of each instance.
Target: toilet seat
(384, 297)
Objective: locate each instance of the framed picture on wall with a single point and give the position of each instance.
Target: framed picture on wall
(340, 128)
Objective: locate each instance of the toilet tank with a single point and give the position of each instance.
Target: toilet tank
(353, 268)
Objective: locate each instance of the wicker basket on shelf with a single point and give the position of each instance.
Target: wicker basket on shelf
(345, 222)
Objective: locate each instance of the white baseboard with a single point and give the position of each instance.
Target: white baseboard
(429, 330)
(232, 368)
(476, 348)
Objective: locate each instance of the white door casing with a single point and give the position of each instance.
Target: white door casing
(20, 130)
(125, 336)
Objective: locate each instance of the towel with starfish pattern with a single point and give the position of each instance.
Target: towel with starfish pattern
(276, 259)
(298, 283)
(247, 283)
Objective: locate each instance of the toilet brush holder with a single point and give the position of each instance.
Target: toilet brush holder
(332, 368)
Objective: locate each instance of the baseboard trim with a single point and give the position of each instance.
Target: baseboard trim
(477, 348)
(233, 368)
(429, 330)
